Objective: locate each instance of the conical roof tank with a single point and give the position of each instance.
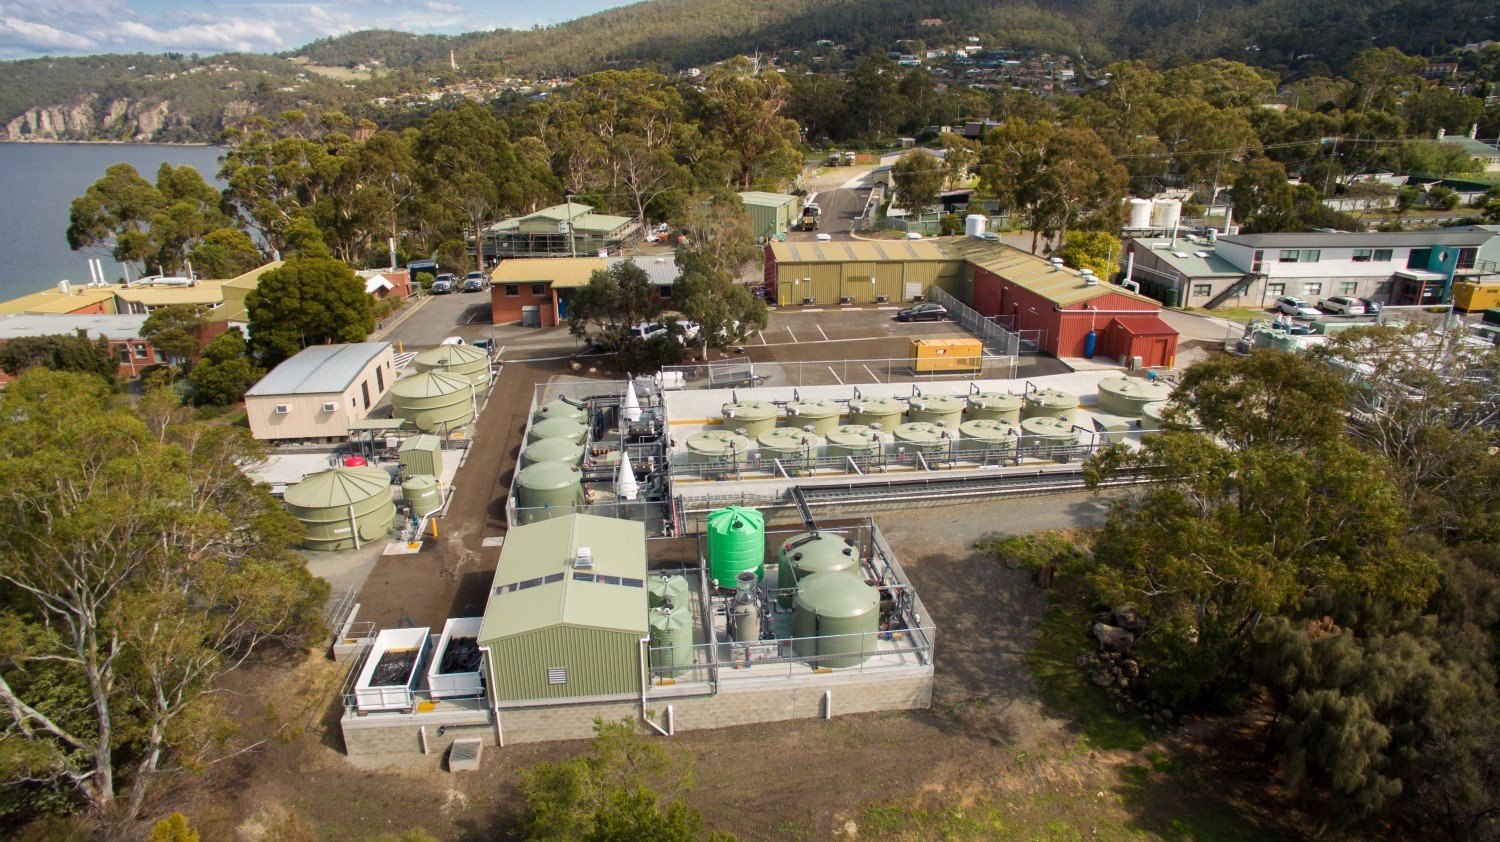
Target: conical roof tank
(671, 639)
(835, 618)
(547, 490)
(466, 361)
(753, 417)
(561, 408)
(993, 406)
(433, 400)
(736, 543)
(663, 589)
(562, 428)
(822, 415)
(808, 553)
(555, 449)
(341, 505)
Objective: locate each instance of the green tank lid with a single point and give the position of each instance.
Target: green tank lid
(549, 476)
(552, 450)
(788, 440)
(566, 428)
(561, 408)
(989, 430)
(1052, 399)
(1137, 388)
(1050, 428)
(996, 401)
(750, 410)
(836, 594)
(428, 384)
(718, 443)
(339, 487)
(856, 435)
(877, 406)
(938, 404)
(923, 433)
(813, 409)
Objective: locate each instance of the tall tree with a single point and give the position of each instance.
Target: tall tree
(225, 253)
(173, 330)
(59, 352)
(740, 108)
(152, 226)
(918, 177)
(306, 301)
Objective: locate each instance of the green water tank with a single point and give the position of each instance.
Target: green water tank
(422, 494)
(466, 361)
(1151, 416)
(801, 556)
(994, 406)
(947, 409)
(1044, 431)
(788, 444)
(835, 618)
(922, 437)
(990, 434)
(662, 589)
(547, 490)
(736, 543)
(342, 506)
(563, 428)
(821, 414)
(876, 410)
(749, 417)
(1129, 396)
(561, 408)
(855, 440)
(1051, 403)
(671, 639)
(718, 446)
(434, 400)
(555, 449)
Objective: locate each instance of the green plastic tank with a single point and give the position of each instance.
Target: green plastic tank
(948, 409)
(994, 406)
(660, 589)
(422, 494)
(1047, 432)
(718, 446)
(752, 417)
(877, 410)
(788, 444)
(821, 415)
(1051, 403)
(736, 543)
(466, 361)
(421, 455)
(342, 504)
(671, 639)
(835, 618)
(563, 428)
(547, 490)
(1129, 396)
(990, 434)
(801, 556)
(561, 408)
(855, 440)
(924, 437)
(433, 400)
(555, 449)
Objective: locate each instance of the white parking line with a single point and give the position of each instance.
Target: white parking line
(820, 330)
(762, 335)
(835, 375)
(793, 335)
(873, 375)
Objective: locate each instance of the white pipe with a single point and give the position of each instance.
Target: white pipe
(422, 737)
(1130, 269)
(644, 718)
(1133, 286)
(489, 658)
(354, 526)
(671, 722)
(827, 704)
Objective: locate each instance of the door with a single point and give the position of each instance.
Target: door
(562, 306)
(531, 316)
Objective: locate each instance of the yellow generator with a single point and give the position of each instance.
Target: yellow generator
(929, 355)
(1472, 296)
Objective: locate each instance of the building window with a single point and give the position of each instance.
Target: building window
(557, 675)
(364, 389)
(1382, 255)
(512, 290)
(665, 291)
(1277, 290)
(1287, 256)
(379, 380)
(140, 352)
(1418, 258)
(538, 290)
(1202, 290)
(1466, 257)
(1383, 288)
(1312, 289)
(1310, 256)
(1348, 287)
(1363, 255)
(1260, 256)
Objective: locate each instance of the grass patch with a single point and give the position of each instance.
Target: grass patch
(1066, 689)
(1236, 314)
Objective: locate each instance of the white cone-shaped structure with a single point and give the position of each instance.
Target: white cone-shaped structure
(632, 403)
(628, 488)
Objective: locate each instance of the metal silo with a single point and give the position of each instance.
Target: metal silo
(822, 415)
(994, 406)
(750, 418)
(1129, 396)
(736, 543)
(556, 449)
(949, 409)
(434, 401)
(561, 428)
(343, 507)
(877, 410)
(835, 619)
(547, 490)
(804, 555)
(421, 492)
(1051, 403)
(465, 361)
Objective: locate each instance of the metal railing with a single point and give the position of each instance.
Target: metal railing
(904, 649)
(997, 337)
(834, 372)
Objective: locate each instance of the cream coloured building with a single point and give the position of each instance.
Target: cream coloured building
(320, 391)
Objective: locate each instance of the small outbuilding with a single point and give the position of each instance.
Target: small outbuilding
(771, 214)
(319, 392)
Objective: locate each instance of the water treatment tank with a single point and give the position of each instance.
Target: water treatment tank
(1051, 403)
(671, 639)
(547, 490)
(465, 361)
(995, 406)
(421, 455)
(1151, 416)
(555, 449)
(821, 415)
(558, 428)
(923, 437)
(854, 440)
(751, 417)
(340, 504)
(800, 556)
(788, 444)
(1129, 396)
(1166, 213)
(835, 618)
(1140, 213)
(561, 408)
(736, 543)
(719, 446)
(422, 494)
(877, 410)
(990, 434)
(975, 224)
(1047, 432)
(948, 409)
(434, 401)
(673, 589)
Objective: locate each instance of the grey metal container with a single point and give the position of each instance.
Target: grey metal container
(876, 410)
(821, 415)
(341, 507)
(994, 406)
(1051, 403)
(753, 417)
(547, 490)
(835, 618)
(805, 554)
(947, 409)
(1129, 396)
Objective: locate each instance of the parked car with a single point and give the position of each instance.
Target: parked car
(476, 282)
(1372, 307)
(927, 312)
(825, 238)
(1297, 308)
(1343, 305)
(453, 340)
(486, 344)
(685, 331)
(442, 284)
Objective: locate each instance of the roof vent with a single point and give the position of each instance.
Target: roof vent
(1057, 263)
(584, 560)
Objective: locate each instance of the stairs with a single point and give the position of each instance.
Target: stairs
(1234, 289)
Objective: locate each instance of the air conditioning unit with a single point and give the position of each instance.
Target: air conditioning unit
(584, 559)
(330, 406)
(283, 408)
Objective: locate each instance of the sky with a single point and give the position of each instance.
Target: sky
(31, 28)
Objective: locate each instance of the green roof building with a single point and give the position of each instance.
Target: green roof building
(567, 610)
(559, 231)
(771, 214)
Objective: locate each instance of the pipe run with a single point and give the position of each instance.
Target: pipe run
(489, 658)
(827, 704)
(644, 642)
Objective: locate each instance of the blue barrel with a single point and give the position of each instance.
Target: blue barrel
(1090, 342)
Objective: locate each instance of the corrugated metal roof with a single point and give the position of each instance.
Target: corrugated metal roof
(53, 301)
(1192, 266)
(1373, 239)
(1035, 274)
(204, 292)
(862, 251)
(96, 326)
(761, 198)
(601, 223)
(251, 278)
(1146, 325)
(319, 370)
(538, 561)
(337, 487)
(571, 272)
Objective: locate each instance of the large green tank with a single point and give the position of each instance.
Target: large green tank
(466, 361)
(789, 444)
(994, 406)
(947, 409)
(343, 506)
(876, 410)
(801, 556)
(673, 589)
(990, 434)
(547, 490)
(821, 415)
(923, 437)
(751, 418)
(421, 455)
(422, 494)
(718, 447)
(835, 618)
(1051, 403)
(1151, 416)
(556, 449)
(736, 543)
(563, 428)
(1047, 432)
(671, 639)
(855, 440)
(561, 408)
(434, 401)
(1129, 396)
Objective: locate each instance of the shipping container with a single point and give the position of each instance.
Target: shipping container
(929, 355)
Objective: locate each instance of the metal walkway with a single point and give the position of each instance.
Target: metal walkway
(911, 490)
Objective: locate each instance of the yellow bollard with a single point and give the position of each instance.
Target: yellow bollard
(400, 346)
(434, 527)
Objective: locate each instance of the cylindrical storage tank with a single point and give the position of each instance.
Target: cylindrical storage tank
(990, 434)
(1051, 403)
(434, 401)
(883, 411)
(835, 618)
(994, 406)
(555, 449)
(854, 440)
(718, 446)
(561, 408)
(1129, 396)
(922, 437)
(342, 506)
(750, 417)
(422, 494)
(673, 589)
(975, 224)
(671, 639)
(547, 490)
(1151, 416)
(809, 553)
(1047, 432)
(558, 428)
(1166, 213)
(821, 415)
(465, 361)
(1140, 213)
(736, 544)
(788, 444)
(949, 409)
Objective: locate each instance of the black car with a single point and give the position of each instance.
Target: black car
(1372, 307)
(928, 312)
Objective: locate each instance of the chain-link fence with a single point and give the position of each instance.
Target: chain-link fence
(998, 338)
(728, 375)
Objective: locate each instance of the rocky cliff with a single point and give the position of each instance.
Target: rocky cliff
(95, 119)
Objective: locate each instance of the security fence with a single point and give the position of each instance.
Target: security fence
(997, 337)
(733, 374)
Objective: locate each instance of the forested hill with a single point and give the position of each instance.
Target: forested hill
(187, 98)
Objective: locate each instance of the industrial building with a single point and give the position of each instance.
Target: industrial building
(771, 214)
(534, 292)
(317, 394)
(559, 231)
(857, 271)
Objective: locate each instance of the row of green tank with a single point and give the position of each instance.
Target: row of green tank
(443, 395)
(549, 476)
(344, 506)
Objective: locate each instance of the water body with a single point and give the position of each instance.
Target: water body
(38, 181)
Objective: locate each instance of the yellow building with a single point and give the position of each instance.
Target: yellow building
(859, 271)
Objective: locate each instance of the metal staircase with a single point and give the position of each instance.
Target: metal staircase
(1239, 286)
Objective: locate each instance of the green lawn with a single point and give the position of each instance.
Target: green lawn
(1066, 689)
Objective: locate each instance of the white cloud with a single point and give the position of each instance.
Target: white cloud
(233, 35)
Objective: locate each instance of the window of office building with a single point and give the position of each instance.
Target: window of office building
(1276, 290)
(1348, 287)
(1382, 255)
(1202, 290)
(1466, 257)
(1363, 255)
(364, 389)
(1287, 256)
(1310, 289)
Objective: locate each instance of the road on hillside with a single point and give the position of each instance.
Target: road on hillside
(840, 208)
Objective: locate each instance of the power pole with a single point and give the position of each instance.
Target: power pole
(572, 244)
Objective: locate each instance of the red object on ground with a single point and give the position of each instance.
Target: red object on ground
(355, 461)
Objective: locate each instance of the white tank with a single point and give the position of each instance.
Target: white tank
(1168, 212)
(975, 224)
(1140, 213)
(65, 287)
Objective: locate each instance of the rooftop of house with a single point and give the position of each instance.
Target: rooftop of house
(1059, 284)
(319, 370)
(1360, 239)
(570, 272)
(860, 250)
(55, 301)
(582, 216)
(771, 200)
(1194, 260)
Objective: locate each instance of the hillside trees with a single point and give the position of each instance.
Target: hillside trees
(173, 330)
(307, 301)
(1053, 177)
(225, 372)
(740, 110)
(720, 250)
(152, 226)
(58, 352)
(918, 177)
